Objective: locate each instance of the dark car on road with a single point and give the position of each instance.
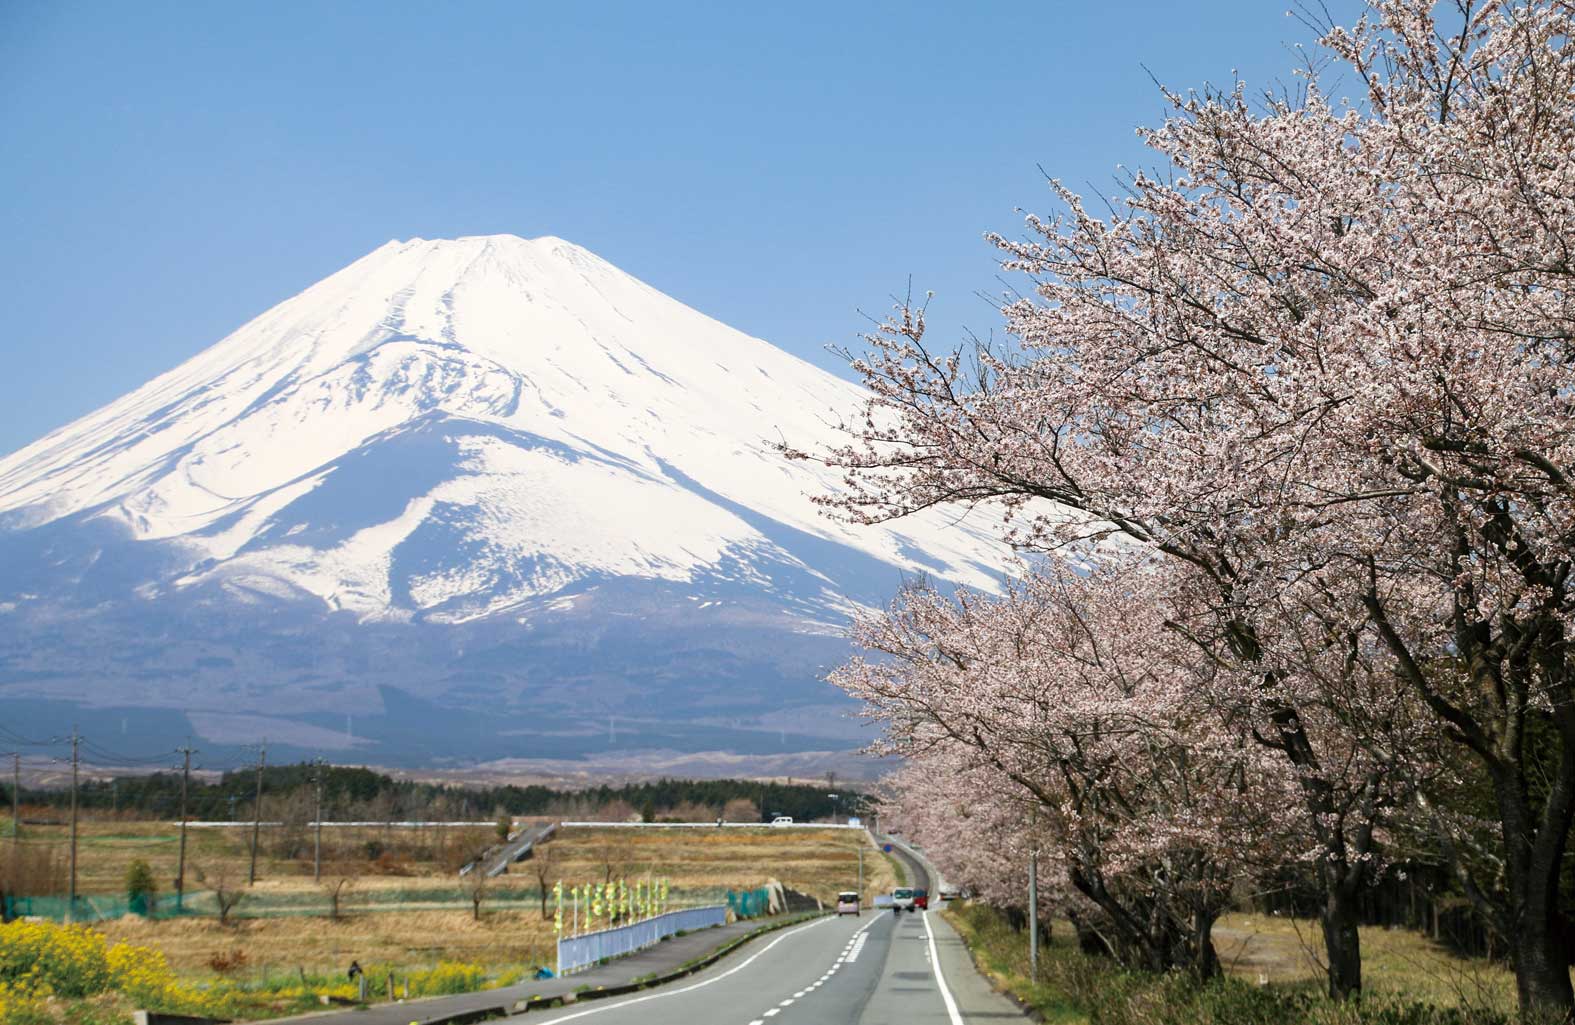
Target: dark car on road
(921, 900)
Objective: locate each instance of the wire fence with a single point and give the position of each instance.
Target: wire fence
(309, 902)
(749, 903)
(205, 904)
(101, 909)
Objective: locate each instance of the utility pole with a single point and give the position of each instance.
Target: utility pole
(317, 847)
(861, 872)
(262, 762)
(16, 797)
(180, 868)
(16, 822)
(71, 895)
(1033, 914)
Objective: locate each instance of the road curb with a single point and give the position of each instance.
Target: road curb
(1030, 1012)
(603, 992)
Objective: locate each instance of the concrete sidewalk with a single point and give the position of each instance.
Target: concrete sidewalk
(661, 959)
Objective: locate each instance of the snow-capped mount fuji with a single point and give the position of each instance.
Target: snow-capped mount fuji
(488, 473)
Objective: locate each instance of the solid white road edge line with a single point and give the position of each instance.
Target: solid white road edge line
(940, 980)
(689, 989)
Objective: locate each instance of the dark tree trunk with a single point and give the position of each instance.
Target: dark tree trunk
(1338, 878)
(1205, 960)
(1535, 845)
(1508, 661)
(1088, 939)
(1342, 943)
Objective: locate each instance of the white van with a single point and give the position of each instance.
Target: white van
(782, 820)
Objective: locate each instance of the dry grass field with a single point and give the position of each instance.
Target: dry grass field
(1266, 948)
(818, 862)
(1398, 965)
(424, 859)
(107, 847)
(282, 945)
(406, 907)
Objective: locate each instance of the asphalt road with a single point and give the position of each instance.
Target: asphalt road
(516, 848)
(881, 968)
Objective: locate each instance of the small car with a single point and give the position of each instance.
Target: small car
(949, 893)
(847, 904)
(901, 900)
(782, 820)
(921, 900)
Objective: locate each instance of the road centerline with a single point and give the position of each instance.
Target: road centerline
(698, 985)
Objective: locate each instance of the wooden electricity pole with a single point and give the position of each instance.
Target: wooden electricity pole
(317, 846)
(180, 868)
(262, 762)
(71, 894)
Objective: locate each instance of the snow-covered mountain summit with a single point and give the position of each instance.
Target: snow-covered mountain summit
(485, 429)
(456, 428)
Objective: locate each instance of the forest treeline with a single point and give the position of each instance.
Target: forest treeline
(362, 794)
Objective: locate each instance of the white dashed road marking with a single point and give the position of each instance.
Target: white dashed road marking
(661, 994)
(849, 954)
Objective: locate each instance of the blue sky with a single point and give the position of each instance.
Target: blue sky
(170, 171)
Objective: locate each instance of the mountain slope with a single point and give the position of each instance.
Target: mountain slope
(452, 443)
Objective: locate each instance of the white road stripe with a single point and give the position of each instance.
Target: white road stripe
(935, 964)
(856, 944)
(689, 989)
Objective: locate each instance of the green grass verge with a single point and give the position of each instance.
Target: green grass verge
(1076, 989)
(898, 869)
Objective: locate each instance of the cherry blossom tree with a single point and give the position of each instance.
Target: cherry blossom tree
(1322, 358)
(1070, 704)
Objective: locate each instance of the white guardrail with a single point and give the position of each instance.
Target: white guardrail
(712, 825)
(247, 824)
(380, 824)
(576, 952)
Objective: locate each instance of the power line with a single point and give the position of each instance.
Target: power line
(99, 751)
(17, 738)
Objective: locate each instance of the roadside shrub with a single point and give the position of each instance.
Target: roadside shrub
(39, 960)
(141, 973)
(507, 977)
(47, 959)
(226, 961)
(141, 887)
(18, 1008)
(447, 977)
